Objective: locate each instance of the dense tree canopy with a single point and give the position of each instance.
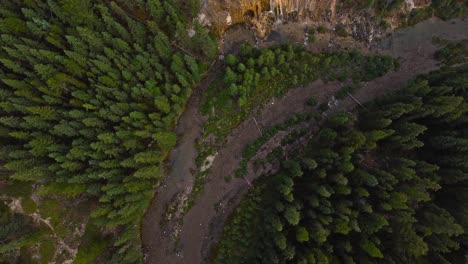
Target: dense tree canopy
(385, 186)
(90, 91)
(89, 94)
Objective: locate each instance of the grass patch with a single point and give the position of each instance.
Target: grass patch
(29, 206)
(51, 208)
(340, 30)
(321, 29)
(17, 189)
(312, 101)
(93, 244)
(47, 250)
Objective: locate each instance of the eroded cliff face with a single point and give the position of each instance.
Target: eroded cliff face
(223, 13)
(264, 14)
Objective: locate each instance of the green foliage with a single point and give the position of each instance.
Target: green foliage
(261, 75)
(47, 250)
(321, 29)
(71, 190)
(302, 235)
(370, 248)
(92, 245)
(445, 9)
(251, 244)
(453, 53)
(385, 187)
(254, 147)
(166, 140)
(292, 215)
(340, 30)
(312, 101)
(29, 206)
(311, 38)
(90, 91)
(17, 233)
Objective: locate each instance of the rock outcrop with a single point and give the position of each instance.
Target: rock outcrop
(263, 14)
(223, 13)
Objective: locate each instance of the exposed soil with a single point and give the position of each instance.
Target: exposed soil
(203, 223)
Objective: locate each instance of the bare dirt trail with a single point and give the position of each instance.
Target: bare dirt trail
(202, 225)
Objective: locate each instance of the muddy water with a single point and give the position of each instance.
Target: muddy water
(203, 224)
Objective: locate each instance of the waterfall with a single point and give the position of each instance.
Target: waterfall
(281, 8)
(276, 8)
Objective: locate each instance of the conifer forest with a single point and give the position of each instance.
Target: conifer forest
(230, 132)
